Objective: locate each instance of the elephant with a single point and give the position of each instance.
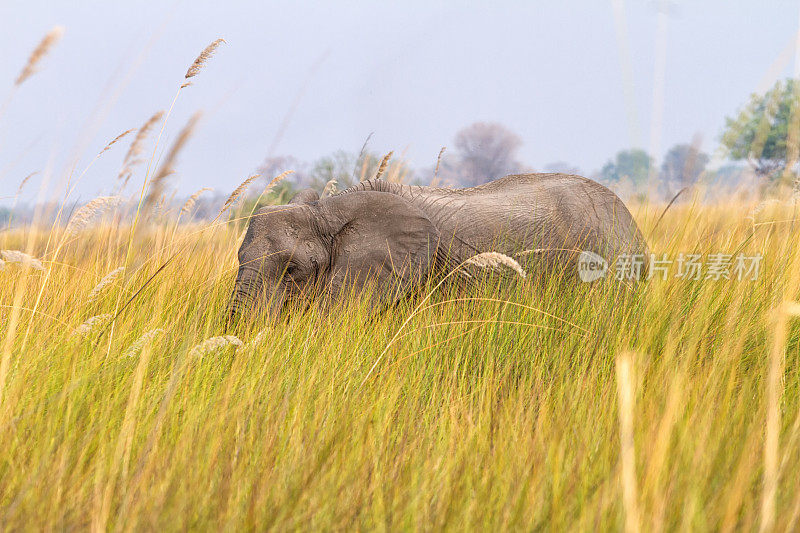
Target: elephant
(392, 237)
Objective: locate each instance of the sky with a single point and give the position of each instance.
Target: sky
(576, 80)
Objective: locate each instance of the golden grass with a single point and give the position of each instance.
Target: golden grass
(137, 147)
(204, 56)
(495, 261)
(190, 203)
(383, 164)
(538, 404)
(499, 409)
(42, 49)
(157, 182)
(89, 212)
(630, 496)
(237, 192)
(435, 180)
(115, 140)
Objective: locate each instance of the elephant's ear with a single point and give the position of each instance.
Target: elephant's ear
(378, 238)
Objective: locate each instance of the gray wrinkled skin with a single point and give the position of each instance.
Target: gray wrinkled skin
(391, 236)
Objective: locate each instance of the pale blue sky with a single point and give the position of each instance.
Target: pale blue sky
(414, 72)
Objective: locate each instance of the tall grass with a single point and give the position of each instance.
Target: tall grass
(531, 404)
(495, 408)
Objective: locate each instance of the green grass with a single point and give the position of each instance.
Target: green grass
(492, 409)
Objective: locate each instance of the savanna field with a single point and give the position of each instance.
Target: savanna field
(496, 408)
(519, 404)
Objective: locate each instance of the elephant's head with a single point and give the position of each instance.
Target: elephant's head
(312, 247)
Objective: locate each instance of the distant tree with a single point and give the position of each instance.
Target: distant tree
(682, 165)
(336, 166)
(339, 165)
(634, 164)
(345, 168)
(485, 151)
(760, 133)
(272, 166)
(348, 169)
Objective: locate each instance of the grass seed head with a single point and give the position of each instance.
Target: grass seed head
(49, 40)
(214, 344)
(435, 179)
(383, 165)
(237, 192)
(89, 212)
(137, 146)
(105, 283)
(24, 181)
(142, 341)
(276, 180)
(189, 205)
(204, 56)
(117, 138)
(16, 256)
(158, 181)
(92, 322)
(495, 261)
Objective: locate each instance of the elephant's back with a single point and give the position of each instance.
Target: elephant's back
(592, 216)
(553, 217)
(548, 215)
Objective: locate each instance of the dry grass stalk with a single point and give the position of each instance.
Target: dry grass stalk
(137, 146)
(241, 188)
(435, 180)
(364, 167)
(495, 261)
(204, 56)
(277, 179)
(383, 165)
(118, 137)
(157, 184)
(49, 40)
(214, 344)
(2, 265)
(237, 192)
(773, 427)
(24, 181)
(142, 341)
(16, 256)
(330, 188)
(193, 200)
(86, 214)
(105, 283)
(627, 450)
(92, 322)
(362, 156)
(761, 206)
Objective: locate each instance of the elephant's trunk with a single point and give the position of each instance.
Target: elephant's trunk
(245, 294)
(246, 298)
